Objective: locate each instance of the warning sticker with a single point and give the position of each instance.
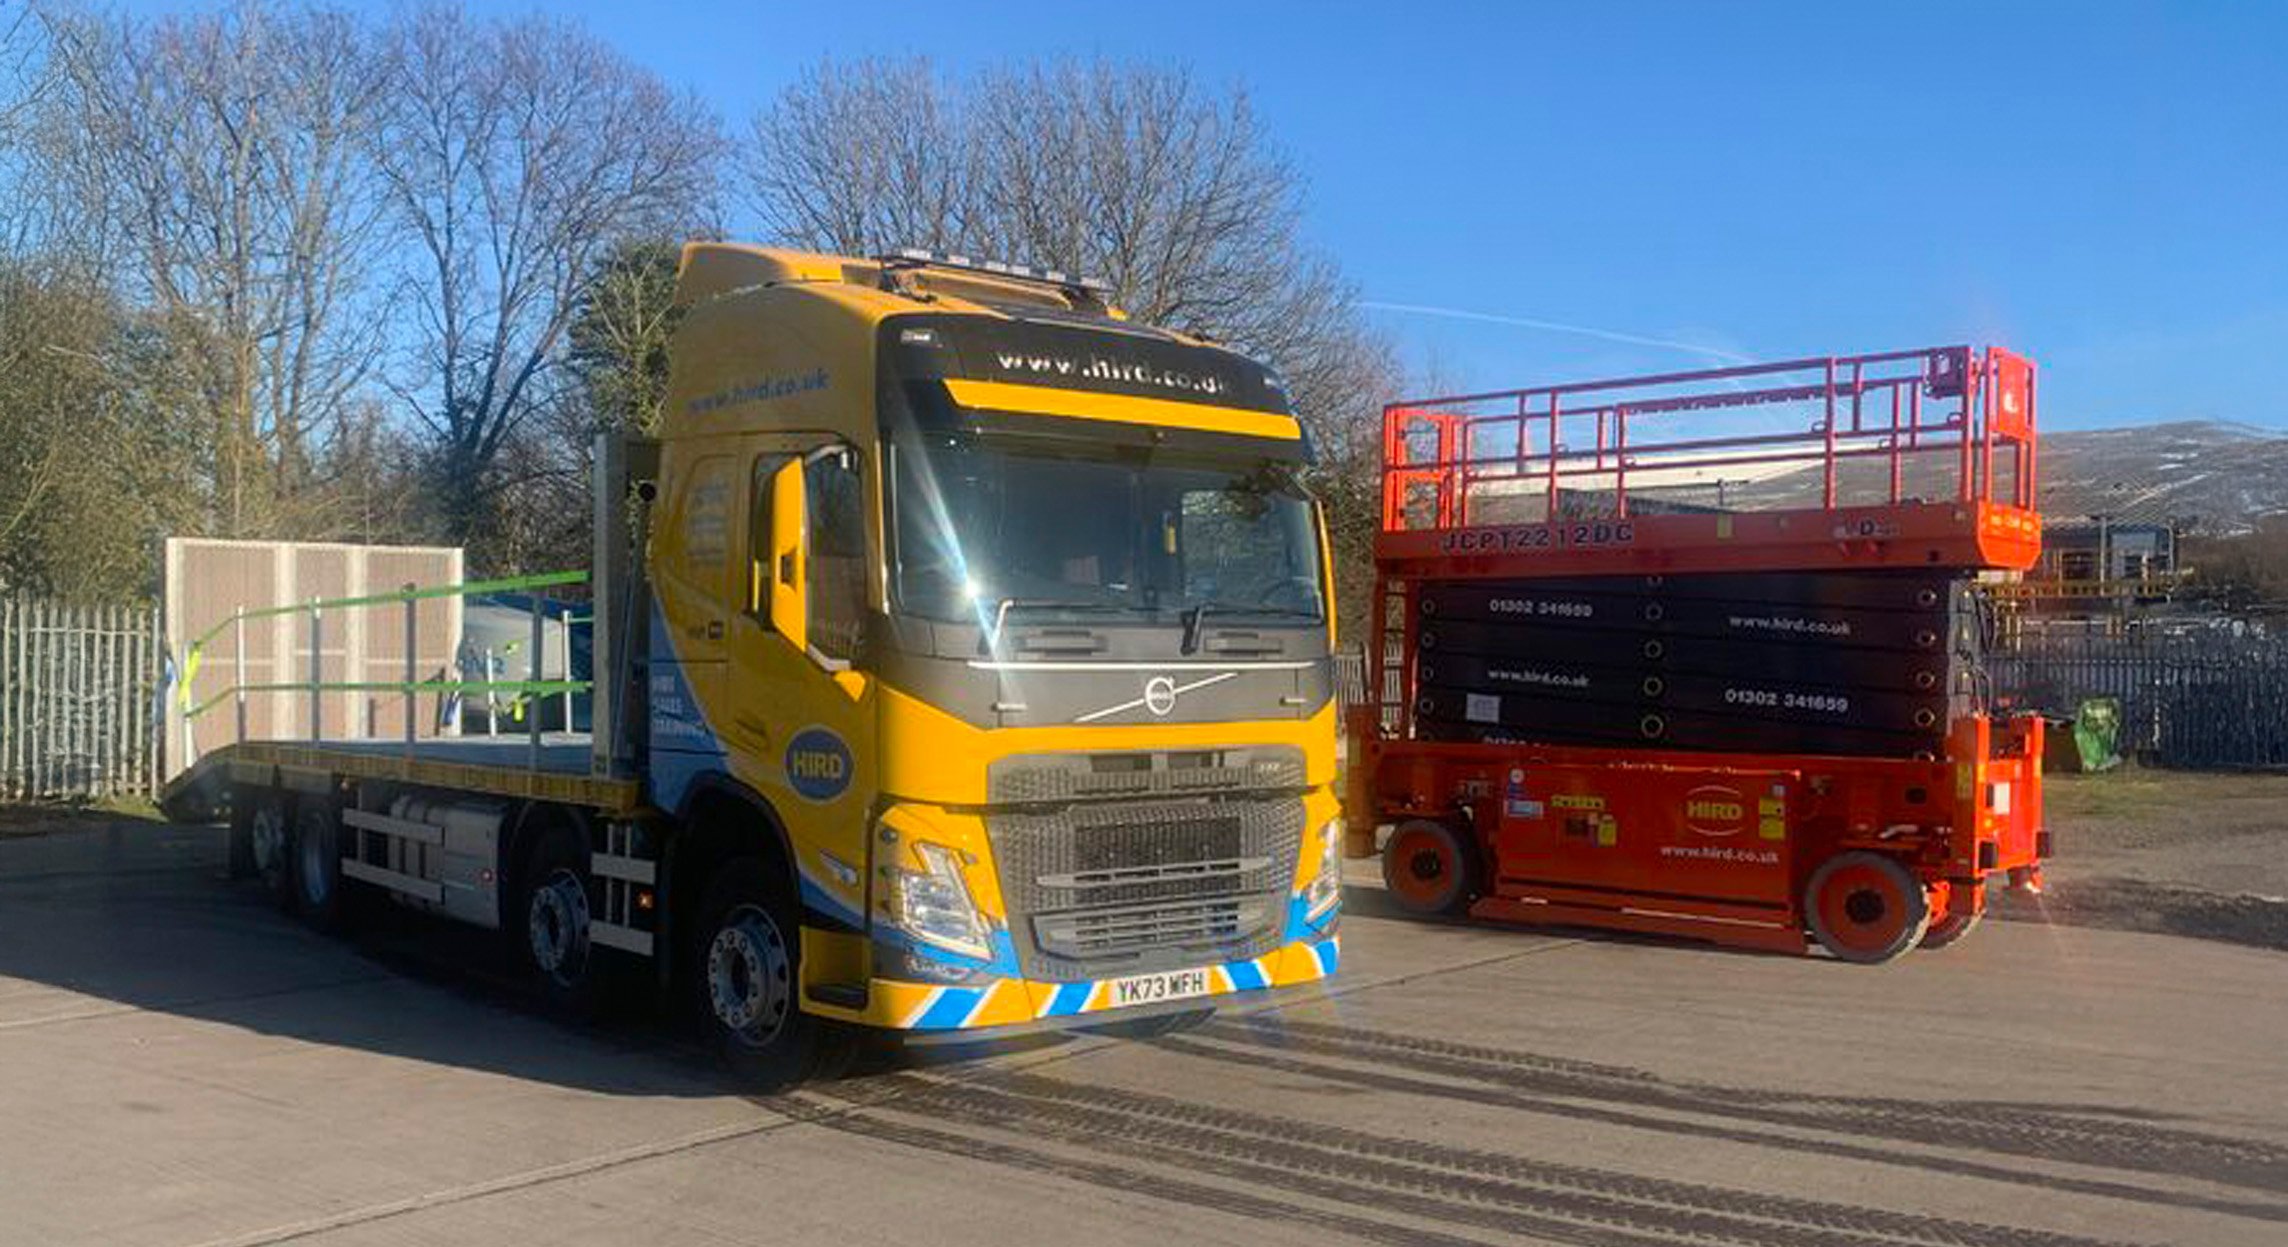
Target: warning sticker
(1515, 800)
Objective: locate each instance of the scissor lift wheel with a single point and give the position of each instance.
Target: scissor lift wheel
(1865, 907)
(1430, 868)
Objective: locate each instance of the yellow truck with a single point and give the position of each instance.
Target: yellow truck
(964, 666)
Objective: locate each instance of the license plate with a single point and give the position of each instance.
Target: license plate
(1146, 989)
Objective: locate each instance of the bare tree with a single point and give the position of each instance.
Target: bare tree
(518, 154)
(23, 76)
(616, 365)
(91, 462)
(863, 156)
(221, 156)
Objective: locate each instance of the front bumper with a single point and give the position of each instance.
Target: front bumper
(999, 1006)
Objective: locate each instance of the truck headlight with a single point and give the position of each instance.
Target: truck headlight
(934, 906)
(1326, 889)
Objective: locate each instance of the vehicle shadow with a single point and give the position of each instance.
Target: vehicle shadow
(141, 916)
(1374, 902)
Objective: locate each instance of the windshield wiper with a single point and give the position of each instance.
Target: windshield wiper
(1197, 613)
(1001, 610)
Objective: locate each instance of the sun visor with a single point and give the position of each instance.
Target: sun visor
(1109, 385)
(1116, 430)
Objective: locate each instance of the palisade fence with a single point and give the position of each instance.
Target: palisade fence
(1350, 676)
(78, 696)
(2201, 700)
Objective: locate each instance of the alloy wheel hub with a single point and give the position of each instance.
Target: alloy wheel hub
(749, 979)
(557, 926)
(269, 840)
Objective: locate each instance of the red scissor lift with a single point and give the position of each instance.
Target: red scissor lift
(1822, 471)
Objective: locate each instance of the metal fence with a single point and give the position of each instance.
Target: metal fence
(78, 692)
(2205, 700)
(1350, 677)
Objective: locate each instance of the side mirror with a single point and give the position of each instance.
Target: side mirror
(789, 585)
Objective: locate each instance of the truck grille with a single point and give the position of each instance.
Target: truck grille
(1132, 929)
(1060, 777)
(1126, 885)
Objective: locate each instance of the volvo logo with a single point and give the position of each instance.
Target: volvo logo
(1159, 699)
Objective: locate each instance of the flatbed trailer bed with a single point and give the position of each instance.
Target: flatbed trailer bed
(558, 768)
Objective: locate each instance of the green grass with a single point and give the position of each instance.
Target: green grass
(40, 818)
(2130, 791)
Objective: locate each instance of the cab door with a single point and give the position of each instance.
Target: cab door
(695, 548)
(801, 727)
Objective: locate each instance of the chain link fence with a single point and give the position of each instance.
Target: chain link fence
(78, 697)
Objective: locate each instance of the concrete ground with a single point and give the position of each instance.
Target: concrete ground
(179, 1064)
(2174, 852)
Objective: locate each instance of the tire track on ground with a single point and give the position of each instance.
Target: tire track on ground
(2018, 1130)
(1479, 1189)
(862, 1118)
(1623, 1116)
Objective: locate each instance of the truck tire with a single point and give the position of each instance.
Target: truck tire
(746, 975)
(1430, 868)
(270, 841)
(551, 917)
(1949, 929)
(322, 896)
(239, 861)
(1865, 908)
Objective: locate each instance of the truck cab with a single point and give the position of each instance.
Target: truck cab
(986, 682)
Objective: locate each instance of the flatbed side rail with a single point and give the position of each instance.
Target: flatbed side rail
(208, 646)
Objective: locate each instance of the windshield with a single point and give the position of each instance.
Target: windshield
(980, 524)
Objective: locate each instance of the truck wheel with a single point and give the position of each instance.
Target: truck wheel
(1866, 908)
(747, 976)
(239, 863)
(553, 912)
(321, 894)
(1430, 868)
(270, 842)
(1947, 930)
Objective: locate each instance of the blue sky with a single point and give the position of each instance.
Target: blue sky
(2103, 186)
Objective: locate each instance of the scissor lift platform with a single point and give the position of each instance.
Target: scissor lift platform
(1906, 459)
(1850, 464)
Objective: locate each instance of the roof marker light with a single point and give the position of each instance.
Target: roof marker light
(999, 268)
